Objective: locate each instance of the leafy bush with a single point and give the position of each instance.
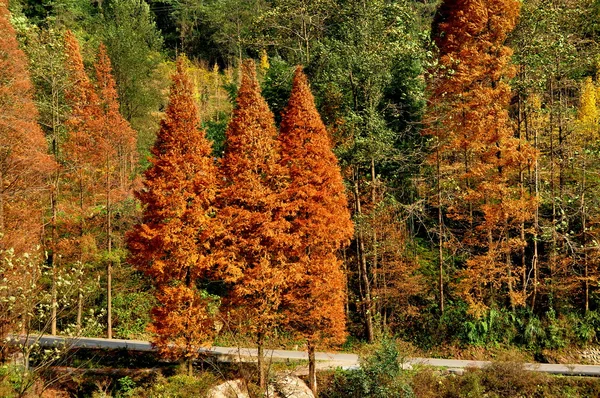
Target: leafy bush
(178, 386)
(126, 387)
(380, 376)
(132, 314)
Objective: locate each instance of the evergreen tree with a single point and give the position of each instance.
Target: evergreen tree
(173, 243)
(476, 148)
(24, 164)
(134, 45)
(82, 164)
(317, 210)
(249, 204)
(117, 143)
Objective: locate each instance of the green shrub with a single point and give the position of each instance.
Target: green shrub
(132, 314)
(126, 387)
(178, 386)
(380, 376)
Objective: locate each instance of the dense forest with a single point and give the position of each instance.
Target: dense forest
(323, 172)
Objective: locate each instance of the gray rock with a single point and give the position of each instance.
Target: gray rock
(289, 386)
(229, 389)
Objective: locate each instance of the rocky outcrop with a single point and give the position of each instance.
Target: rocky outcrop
(283, 386)
(229, 389)
(289, 386)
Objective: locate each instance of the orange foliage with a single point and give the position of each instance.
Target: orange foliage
(181, 322)
(24, 164)
(249, 205)
(173, 243)
(82, 156)
(81, 148)
(317, 209)
(119, 139)
(477, 149)
(396, 278)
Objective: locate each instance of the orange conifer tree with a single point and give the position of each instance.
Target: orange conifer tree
(476, 147)
(317, 208)
(24, 164)
(81, 152)
(249, 207)
(84, 151)
(172, 245)
(117, 145)
(24, 168)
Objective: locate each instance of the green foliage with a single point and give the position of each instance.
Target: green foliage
(586, 328)
(380, 376)
(178, 386)
(215, 131)
(134, 45)
(131, 313)
(126, 387)
(277, 86)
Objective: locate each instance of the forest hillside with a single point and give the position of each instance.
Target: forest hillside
(322, 174)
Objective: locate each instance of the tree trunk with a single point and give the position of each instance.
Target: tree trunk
(536, 223)
(190, 367)
(553, 249)
(440, 233)
(53, 295)
(109, 249)
(52, 256)
(312, 369)
(375, 272)
(368, 313)
(262, 380)
(583, 237)
(79, 307)
(2, 228)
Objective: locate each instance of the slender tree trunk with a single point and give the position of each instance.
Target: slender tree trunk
(81, 232)
(109, 249)
(509, 271)
(2, 227)
(522, 170)
(79, 305)
(374, 232)
(440, 232)
(536, 222)
(364, 269)
(312, 369)
(53, 257)
(345, 269)
(262, 380)
(583, 237)
(553, 251)
(53, 206)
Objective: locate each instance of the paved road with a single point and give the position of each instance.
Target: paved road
(347, 361)
(140, 345)
(559, 369)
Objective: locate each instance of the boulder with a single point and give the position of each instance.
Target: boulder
(289, 386)
(229, 389)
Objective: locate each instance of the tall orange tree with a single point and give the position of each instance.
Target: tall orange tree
(319, 224)
(249, 203)
(479, 158)
(117, 145)
(24, 164)
(173, 245)
(81, 162)
(25, 169)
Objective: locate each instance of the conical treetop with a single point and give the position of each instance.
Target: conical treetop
(173, 242)
(316, 194)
